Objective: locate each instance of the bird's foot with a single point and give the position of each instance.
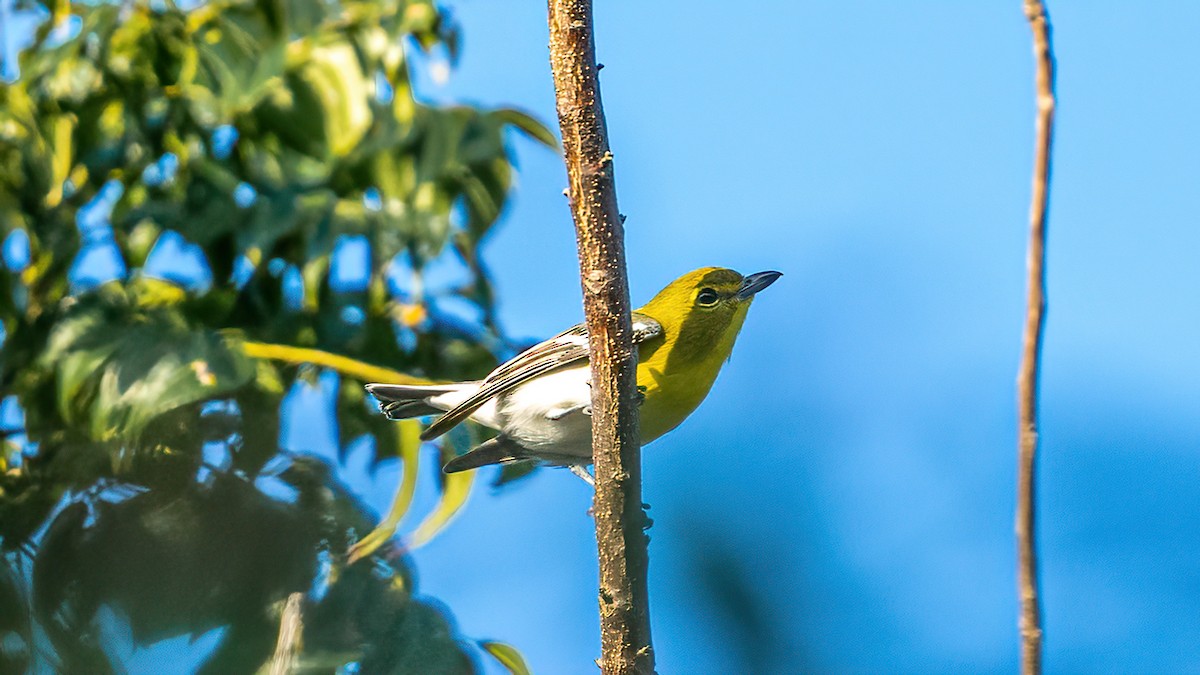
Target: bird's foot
(582, 472)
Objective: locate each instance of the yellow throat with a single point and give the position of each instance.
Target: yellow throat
(701, 314)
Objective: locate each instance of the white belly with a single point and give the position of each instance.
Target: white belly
(545, 415)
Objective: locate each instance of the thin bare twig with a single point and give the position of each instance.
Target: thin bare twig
(291, 626)
(620, 537)
(1027, 379)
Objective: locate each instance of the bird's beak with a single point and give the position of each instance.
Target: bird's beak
(755, 283)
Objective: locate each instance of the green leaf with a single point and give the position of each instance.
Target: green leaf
(419, 640)
(441, 135)
(528, 124)
(426, 220)
(314, 273)
(507, 655)
(61, 128)
(16, 639)
(486, 190)
(236, 550)
(141, 241)
(305, 16)
(325, 108)
(113, 382)
(243, 56)
(153, 372)
(119, 367)
(151, 292)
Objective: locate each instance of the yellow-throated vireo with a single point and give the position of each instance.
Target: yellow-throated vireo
(540, 401)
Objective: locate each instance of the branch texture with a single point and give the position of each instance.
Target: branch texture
(1027, 378)
(616, 450)
(291, 625)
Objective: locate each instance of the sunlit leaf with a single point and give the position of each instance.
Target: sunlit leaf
(141, 239)
(63, 155)
(508, 656)
(455, 490)
(362, 370)
(528, 124)
(324, 110)
(261, 131)
(243, 55)
(314, 274)
(150, 292)
(407, 438)
(118, 368)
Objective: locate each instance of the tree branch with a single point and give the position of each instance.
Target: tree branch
(1027, 378)
(616, 450)
(291, 626)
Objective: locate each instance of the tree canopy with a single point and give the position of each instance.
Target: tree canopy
(204, 207)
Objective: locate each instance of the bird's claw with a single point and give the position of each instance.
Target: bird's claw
(582, 472)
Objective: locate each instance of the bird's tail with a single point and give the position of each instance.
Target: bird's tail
(402, 401)
(499, 450)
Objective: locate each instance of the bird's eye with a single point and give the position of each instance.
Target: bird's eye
(707, 297)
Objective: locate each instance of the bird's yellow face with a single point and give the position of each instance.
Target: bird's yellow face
(702, 311)
(701, 314)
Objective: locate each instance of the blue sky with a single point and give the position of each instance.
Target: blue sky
(856, 459)
(845, 495)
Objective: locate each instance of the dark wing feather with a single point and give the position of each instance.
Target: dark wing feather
(566, 348)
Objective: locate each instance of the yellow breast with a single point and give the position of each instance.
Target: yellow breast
(674, 381)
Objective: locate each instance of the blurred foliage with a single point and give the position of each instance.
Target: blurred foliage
(142, 469)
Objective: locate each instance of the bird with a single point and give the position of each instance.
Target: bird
(539, 402)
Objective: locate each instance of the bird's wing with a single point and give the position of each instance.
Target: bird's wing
(568, 347)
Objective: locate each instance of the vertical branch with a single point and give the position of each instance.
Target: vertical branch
(1027, 379)
(616, 450)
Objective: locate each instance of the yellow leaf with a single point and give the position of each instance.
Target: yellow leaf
(79, 175)
(268, 378)
(62, 159)
(411, 315)
(408, 442)
(454, 495)
(36, 268)
(157, 293)
(507, 655)
(336, 77)
(342, 364)
(203, 374)
(313, 273)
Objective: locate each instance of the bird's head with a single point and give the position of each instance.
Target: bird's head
(705, 308)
